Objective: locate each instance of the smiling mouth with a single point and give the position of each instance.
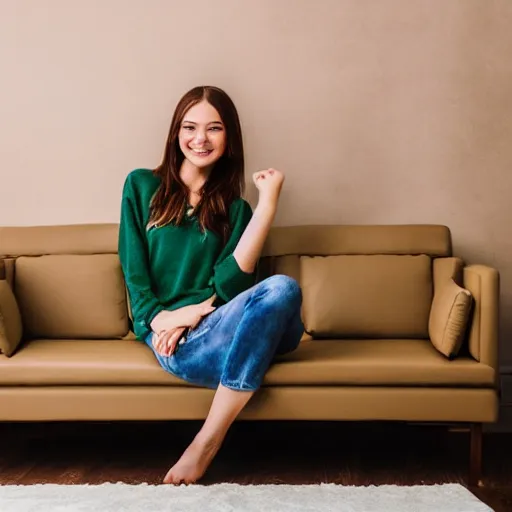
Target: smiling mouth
(202, 152)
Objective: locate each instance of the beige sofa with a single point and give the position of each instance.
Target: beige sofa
(368, 293)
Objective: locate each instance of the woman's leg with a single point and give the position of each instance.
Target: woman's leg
(235, 344)
(192, 465)
(265, 322)
(292, 335)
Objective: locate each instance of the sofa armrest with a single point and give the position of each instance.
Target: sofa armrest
(483, 283)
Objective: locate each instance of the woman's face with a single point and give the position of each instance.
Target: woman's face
(202, 135)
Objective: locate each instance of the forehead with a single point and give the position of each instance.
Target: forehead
(202, 113)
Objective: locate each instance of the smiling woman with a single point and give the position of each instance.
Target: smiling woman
(202, 139)
(189, 245)
(205, 133)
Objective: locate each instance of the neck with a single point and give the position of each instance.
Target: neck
(194, 177)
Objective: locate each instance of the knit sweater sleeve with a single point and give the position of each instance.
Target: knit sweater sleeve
(133, 254)
(229, 279)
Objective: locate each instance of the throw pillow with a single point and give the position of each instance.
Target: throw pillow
(366, 296)
(10, 320)
(449, 317)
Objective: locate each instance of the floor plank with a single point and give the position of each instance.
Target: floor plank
(293, 452)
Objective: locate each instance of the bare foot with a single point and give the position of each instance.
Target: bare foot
(194, 462)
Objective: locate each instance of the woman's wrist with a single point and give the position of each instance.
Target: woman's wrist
(154, 323)
(266, 206)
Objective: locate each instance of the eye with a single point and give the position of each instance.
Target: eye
(216, 128)
(188, 127)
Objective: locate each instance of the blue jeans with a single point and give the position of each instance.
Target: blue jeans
(235, 344)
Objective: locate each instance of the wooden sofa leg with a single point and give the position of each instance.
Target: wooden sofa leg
(475, 456)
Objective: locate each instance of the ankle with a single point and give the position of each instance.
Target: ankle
(209, 439)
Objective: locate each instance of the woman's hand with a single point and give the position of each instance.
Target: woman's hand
(269, 183)
(169, 326)
(167, 341)
(188, 316)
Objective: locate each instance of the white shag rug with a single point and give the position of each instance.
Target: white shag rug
(122, 497)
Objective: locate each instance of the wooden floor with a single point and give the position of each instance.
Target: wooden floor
(255, 452)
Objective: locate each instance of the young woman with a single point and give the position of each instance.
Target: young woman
(189, 246)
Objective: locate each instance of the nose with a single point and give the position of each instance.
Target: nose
(200, 136)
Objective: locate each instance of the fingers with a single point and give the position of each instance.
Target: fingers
(207, 310)
(160, 342)
(211, 300)
(166, 342)
(172, 342)
(261, 175)
(177, 339)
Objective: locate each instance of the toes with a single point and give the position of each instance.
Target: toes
(179, 476)
(168, 479)
(173, 479)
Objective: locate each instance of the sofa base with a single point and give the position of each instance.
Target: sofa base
(98, 403)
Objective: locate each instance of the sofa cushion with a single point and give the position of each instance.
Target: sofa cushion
(376, 362)
(11, 328)
(449, 318)
(371, 296)
(391, 362)
(79, 296)
(444, 269)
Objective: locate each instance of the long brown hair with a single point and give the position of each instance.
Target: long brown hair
(225, 182)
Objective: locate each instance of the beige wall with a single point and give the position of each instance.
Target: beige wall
(391, 111)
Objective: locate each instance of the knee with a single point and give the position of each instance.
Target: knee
(282, 287)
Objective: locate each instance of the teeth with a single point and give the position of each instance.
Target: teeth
(200, 151)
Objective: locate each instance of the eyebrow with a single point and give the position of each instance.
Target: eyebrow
(211, 122)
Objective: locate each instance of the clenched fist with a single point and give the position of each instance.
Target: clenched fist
(269, 183)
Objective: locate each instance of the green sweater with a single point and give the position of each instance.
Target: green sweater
(172, 266)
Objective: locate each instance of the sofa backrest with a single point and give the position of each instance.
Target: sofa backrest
(357, 281)
(67, 280)
(360, 281)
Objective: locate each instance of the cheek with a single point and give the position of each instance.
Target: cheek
(220, 143)
(184, 140)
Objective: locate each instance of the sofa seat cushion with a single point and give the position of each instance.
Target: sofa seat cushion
(384, 362)
(327, 362)
(81, 362)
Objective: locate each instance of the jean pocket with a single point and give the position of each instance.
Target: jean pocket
(205, 325)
